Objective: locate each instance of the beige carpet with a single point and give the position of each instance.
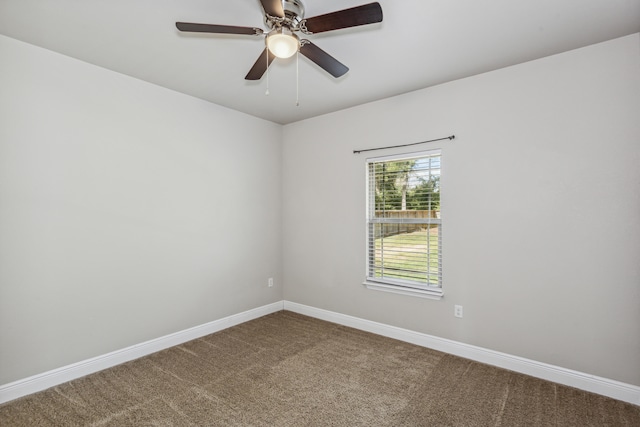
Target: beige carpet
(286, 369)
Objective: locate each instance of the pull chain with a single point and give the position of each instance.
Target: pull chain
(297, 76)
(297, 79)
(267, 55)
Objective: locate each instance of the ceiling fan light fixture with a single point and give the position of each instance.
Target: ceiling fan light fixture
(286, 17)
(282, 43)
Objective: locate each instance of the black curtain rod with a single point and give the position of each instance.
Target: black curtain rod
(404, 145)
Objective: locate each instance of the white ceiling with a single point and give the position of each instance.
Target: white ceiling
(420, 43)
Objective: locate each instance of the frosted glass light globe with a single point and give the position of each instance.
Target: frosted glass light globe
(282, 43)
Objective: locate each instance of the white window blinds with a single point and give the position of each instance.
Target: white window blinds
(404, 227)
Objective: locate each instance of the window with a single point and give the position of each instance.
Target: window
(404, 228)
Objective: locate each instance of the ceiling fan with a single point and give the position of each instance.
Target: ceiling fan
(286, 17)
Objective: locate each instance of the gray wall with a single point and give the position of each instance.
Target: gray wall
(124, 217)
(127, 211)
(540, 208)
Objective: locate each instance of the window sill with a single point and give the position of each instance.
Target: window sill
(421, 293)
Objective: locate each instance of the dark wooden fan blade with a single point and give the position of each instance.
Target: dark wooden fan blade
(217, 29)
(273, 7)
(327, 62)
(257, 71)
(359, 15)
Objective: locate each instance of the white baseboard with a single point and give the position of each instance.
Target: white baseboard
(603, 386)
(606, 387)
(61, 375)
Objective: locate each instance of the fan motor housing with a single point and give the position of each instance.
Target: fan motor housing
(293, 9)
(293, 15)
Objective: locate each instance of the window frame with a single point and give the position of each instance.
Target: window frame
(400, 286)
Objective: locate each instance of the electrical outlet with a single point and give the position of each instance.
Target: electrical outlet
(270, 281)
(457, 310)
